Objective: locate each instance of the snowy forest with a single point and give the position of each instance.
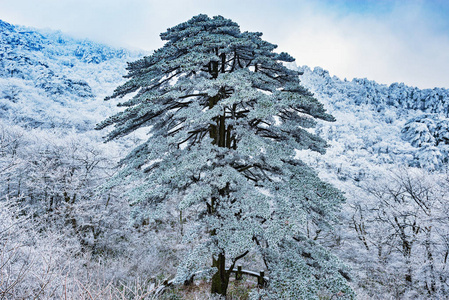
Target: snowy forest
(212, 154)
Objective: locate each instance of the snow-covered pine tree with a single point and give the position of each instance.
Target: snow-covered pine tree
(225, 118)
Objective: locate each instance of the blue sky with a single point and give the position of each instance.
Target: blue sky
(387, 41)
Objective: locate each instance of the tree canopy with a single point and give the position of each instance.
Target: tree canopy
(225, 118)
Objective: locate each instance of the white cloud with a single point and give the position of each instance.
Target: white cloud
(399, 46)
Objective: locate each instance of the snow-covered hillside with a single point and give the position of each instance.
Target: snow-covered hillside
(48, 79)
(388, 152)
(378, 124)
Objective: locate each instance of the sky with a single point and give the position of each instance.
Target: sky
(387, 41)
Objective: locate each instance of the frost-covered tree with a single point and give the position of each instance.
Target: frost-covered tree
(225, 118)
(406, 226)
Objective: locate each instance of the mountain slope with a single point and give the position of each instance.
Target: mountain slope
(380, 124)
(48, 79)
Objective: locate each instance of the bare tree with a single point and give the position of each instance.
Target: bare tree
(409, 227)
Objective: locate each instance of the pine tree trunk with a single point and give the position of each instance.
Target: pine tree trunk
(220, 279)
(221, 136)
